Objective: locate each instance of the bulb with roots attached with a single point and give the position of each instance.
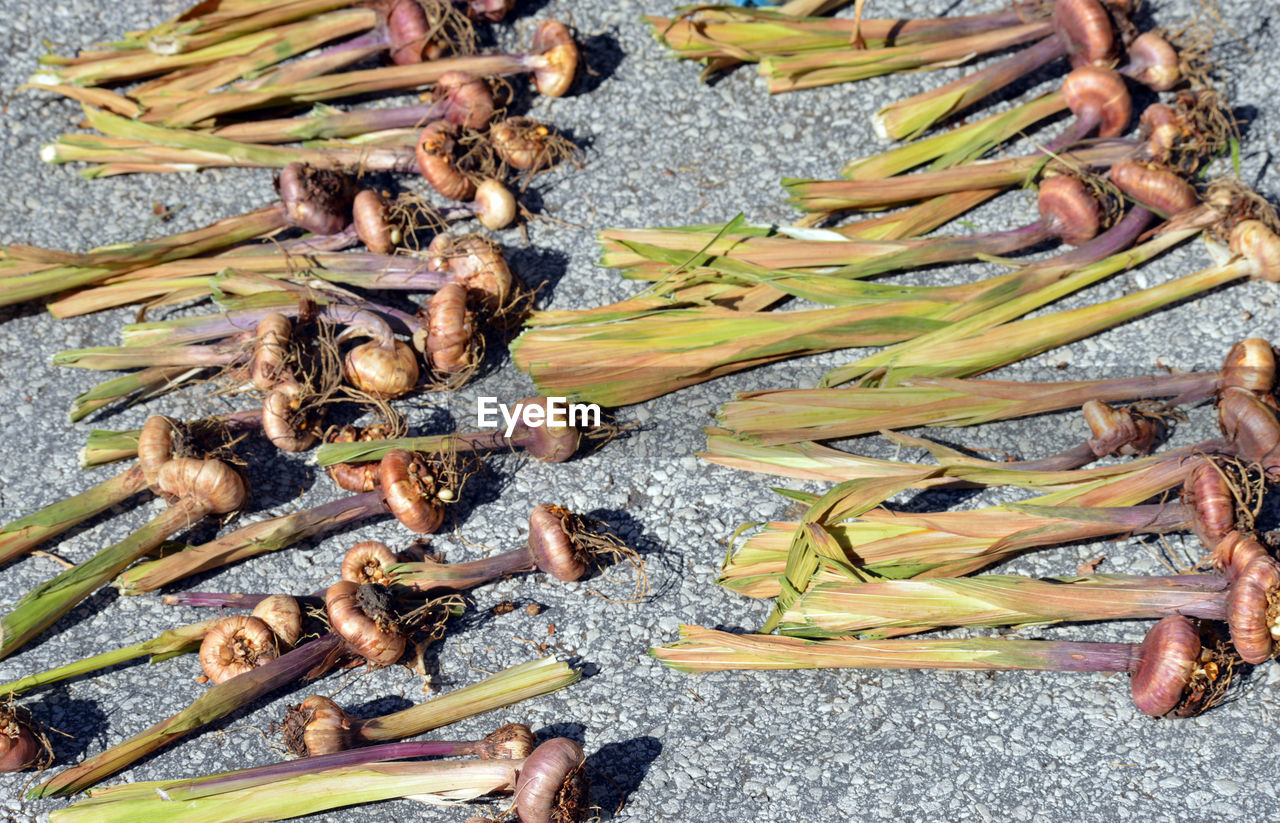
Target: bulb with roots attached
(413, 492)
(1159, 189)
(1154, 62)
(370, 216)
(366, 562)
(1069, 210)
(21, 746)
(1250, 365)
(1097, 94)
(356, 477)
(318, 200)
(363, 615)
(552, 787)
(435, 152)
(468, 99)
(450, 331)
(1167, 666)
(382, 371)
(235, 645)
(478, 265)
(527, 145)
(1085, 29)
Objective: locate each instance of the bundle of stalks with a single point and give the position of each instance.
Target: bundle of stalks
(547, 785)
(473, 290)
(851, 568)
(312, 199)
(305, 663)
(206, 47)
(795, 415)
(417, 491)
(658, 351)
(1172, 672)
(160, 440)
(871, 542)
(796, 52)
(232, 82)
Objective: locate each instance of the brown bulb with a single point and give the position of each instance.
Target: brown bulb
(1251, 610)
(551, 786)
(156, 445)
(469, 100)
(1069, 209)
(1118, 431)
(1206, 490)
(362, 616)
(412, 491)
(366, 562)
(513, 741)
(1251, 365)
(1161, 128)
(450, 329)
(1162, 191)
(369, 215)
(1166, 663)
(436, 146)
(552, 546)
(235, 645)
(318, 726)
(521, 143)
(20, 747)
(1259, 245)
(1251, 427)
(381, 372)
(495, 205)
(280, 421)
(318, 200)
(1085, 29)
(1234, 552)
(1153, 62)
(356, 477)
(1092, 91)
(269, 365)
(555, 60)
(478, 265)
(409, 32)
(215, 485)
(283, 615)
(548, 443)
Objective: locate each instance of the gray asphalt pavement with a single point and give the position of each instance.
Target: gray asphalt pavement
(660, 148)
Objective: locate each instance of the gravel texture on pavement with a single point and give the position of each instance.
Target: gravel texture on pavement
(660, 148)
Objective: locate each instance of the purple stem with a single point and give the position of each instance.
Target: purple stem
(257, 538)
(1078, 656)
(353, 317)
(307, 662)
(995, 243)
(331, 59)
(347, 124)
(382, 271)
(1072, 458)
(344, 239)
(1112, 241)
(985, 82)
(459, 576)
(219, 600)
